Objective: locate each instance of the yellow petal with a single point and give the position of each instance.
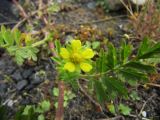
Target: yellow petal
(76, 44)
(70, 67)
(64, 53)
(86, 67)
(88, 53)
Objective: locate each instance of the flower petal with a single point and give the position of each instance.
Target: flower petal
(76, 44)
(64, 53)
(88, 53)
(70, 67)
(85, 67)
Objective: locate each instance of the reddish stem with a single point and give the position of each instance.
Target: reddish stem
(60, 109)
(61, 87)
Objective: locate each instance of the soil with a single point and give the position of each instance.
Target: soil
(27, 84)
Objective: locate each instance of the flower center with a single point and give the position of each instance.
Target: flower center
(76, 58)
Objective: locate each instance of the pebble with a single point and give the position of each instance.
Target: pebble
(21, 85)
(36, 79)
(17, 76)
(1, 77)
(144, 114)
(91, 5)
(3, 88)
(27, 73)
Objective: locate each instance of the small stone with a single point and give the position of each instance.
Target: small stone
(91, 5)
(17, 76)
(3, 88)
(9, 70)
(27, 73)
(144, 114)
(1, 77)
(21, 84)
(35, 79)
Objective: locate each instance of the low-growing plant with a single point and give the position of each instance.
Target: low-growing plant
(112, 69)
(32, 112)
(107, 72)
(68, 95)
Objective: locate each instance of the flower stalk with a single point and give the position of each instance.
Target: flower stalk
(61, 87)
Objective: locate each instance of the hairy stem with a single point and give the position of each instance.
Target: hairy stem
(61, 87)
(60, 109)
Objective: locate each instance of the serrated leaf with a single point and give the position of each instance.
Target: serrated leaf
(8, 38)
(114, 85)
(100, 92)
(143, 46)
(112, 56)
(16, 35)
(125, 50)
(128, 74)
(101, 63)
(125, 110)
(150, 52)
(141, 67)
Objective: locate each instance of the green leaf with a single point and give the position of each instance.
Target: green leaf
(56, 92)
(141, 67)
(41, 117)
(112, 56)
(32, 53)
(45, 105)
(126, 51)
(114, 85)
(111, 108)
(3, 30)
(101, 63)
(95, 44)
(125, 110)
(57, 46)
(53, 8)
(17, 36)
(152, 50)
(134, 95)
(26, 110)
(144, 46)
(56, 104)
(8, 38)
(65, 103)
(100, 92)
(1, 40)
(131, 75)
(66, 98)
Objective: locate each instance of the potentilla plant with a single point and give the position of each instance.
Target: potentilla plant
(105, 72)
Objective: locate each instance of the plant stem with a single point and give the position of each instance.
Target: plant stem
(60, 109)
(40, 42)
(61, 87)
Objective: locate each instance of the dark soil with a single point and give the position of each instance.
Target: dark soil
(27, 84)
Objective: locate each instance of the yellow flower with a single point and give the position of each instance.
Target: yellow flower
(77, 57)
